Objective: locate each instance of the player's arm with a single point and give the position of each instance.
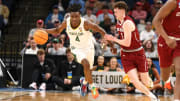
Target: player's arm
(168, 7)
(57, 30)
(92, 26)
(156, 74)
(128, 27)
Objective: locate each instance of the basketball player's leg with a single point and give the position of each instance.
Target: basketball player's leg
(165, 73)
(165, 60)
(133, 75)
(177, 68)
(87, 71)
(146, 80)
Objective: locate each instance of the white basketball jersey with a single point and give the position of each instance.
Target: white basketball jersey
(79, 37)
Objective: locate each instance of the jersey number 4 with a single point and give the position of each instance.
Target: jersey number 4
(77, 39)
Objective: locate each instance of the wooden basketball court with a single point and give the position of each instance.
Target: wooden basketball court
(71, 96)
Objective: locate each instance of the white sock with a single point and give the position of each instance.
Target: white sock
(84, 82)
(176, 100)
(151, 95)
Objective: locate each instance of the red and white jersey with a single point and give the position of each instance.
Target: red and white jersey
(135, 40)
(171, 23)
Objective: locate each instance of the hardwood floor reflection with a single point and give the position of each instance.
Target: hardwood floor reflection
(72, 96)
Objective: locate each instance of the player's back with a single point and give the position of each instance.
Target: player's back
(79, 37)
(171, 23)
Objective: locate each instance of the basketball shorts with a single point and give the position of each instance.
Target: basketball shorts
(167, 54)
(131, 60)
(84, 54)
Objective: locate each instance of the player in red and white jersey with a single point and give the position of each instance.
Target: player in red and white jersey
(167, 24)
(132, 55)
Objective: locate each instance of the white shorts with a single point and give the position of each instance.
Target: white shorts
(84, 54)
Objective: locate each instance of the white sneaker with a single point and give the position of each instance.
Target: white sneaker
(33, 86)
(42, 86)
(76, 88)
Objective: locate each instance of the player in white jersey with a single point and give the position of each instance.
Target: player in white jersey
(81, 42)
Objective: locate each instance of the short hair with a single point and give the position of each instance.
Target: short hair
(89, 8)
(105, 7)
(68, 50)
(121, 5)
(40, 52)
(75, 8)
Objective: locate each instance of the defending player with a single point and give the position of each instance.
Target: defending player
(167, 24)
(132, 54)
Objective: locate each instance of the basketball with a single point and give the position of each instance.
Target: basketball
(40, 37)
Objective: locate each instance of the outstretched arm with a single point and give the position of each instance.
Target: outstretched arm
(157, 21)
(128, 27)
(57, 30)
(92, 26)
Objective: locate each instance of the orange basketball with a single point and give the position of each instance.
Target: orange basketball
(40, 37)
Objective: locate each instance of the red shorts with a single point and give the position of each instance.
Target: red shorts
(167, 54)
(131, 60)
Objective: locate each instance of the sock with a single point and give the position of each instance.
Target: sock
(176, 100)
(84, 82)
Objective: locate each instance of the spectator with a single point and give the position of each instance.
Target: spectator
(113, 30)
(146, 5)
(139, 14)
(111, 4)
(55, 25)
(89, 16)
(58, 48)
(154, 75)
(157, 4)
(150, 50)
(106, 23)
(113, 66)
(33, 48)
(55, 15)
(148, 33)
(39, 25)
(81, 2)
(44, 70)
(95, 4)
(65, 39)
(4, 11)
(101, 16)
(71, 72)
(141, 25)
(100, 64)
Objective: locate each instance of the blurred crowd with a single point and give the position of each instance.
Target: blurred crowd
(101, 13)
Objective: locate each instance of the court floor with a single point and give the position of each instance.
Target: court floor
(25, 95)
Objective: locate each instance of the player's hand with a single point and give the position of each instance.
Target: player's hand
(109, 37)
(47, 76)
(171, 42)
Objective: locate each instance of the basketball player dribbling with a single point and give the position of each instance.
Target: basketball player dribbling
(167, 24)
(132, 53)
(81, 44)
